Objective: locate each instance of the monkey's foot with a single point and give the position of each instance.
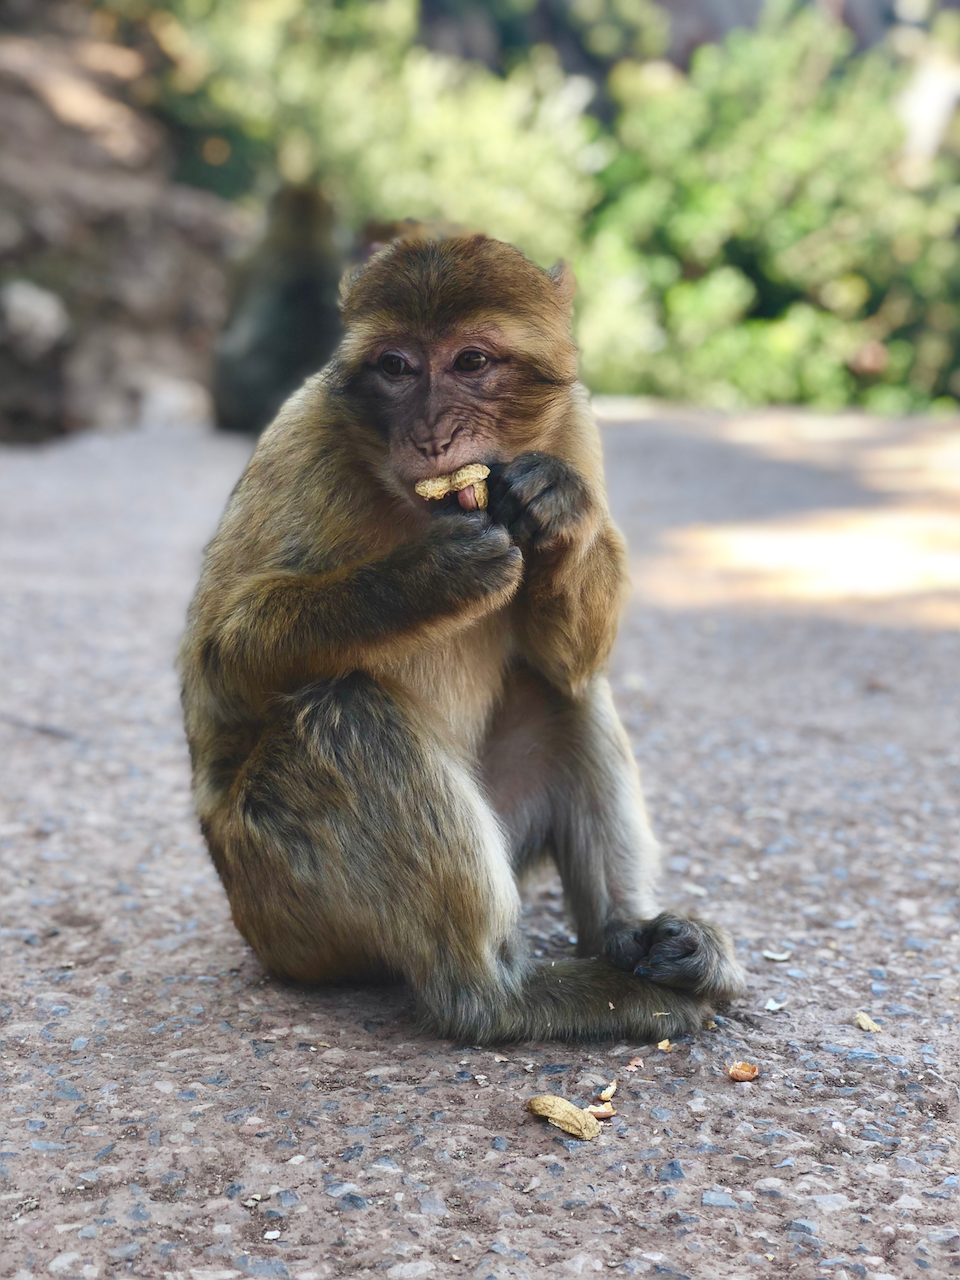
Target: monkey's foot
(681, 952)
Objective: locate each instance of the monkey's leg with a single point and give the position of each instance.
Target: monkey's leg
(356, 842)
(563, 777)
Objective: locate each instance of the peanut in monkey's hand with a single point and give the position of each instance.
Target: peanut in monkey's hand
(469, 484)
(540, 499)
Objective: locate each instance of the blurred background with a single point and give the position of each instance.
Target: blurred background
(760, 200)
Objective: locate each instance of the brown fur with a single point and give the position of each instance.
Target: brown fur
(393, 713)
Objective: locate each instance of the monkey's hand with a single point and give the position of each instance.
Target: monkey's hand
(540, 500)
(678, 951)
(467, 558)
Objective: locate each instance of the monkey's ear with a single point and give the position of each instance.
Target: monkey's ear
(348, 280)
(566, 284)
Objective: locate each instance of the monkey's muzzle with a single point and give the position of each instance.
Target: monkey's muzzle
(469, 484)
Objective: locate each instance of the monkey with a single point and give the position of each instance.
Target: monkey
(397, 708)
(283, 320)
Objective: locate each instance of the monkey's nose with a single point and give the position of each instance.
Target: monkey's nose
(435, 441)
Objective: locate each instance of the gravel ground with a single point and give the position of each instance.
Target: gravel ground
(790, 673)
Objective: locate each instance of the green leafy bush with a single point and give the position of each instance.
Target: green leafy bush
(339, 90)
(741, 234)
(756, 241)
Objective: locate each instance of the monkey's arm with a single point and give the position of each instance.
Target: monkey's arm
(273, 631)
(575, 574)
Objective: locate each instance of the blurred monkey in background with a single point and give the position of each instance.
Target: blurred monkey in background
(283, 322)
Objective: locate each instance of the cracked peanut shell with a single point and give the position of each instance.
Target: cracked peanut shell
(474, 473)
(564, 1115)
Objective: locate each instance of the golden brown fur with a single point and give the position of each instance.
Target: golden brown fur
(392, 713)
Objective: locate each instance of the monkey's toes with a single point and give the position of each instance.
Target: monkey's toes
(689, 955)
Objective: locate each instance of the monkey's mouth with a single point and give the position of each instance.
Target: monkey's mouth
(463, 500)
(467, 485)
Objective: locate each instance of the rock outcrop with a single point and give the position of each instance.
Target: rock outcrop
(111, 276)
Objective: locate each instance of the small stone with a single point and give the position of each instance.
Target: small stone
(62, 1262)
(500, 1144)
(261, 1266)
(862, 1055)
(718, 1200)
(124, 1251)
(672, 1171)
(805, 1225)
(351, 1201)
(831, 1203)
(432, 1205)
(411, 1270)
(335, 1189)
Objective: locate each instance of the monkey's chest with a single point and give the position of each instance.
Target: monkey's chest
(457, 681)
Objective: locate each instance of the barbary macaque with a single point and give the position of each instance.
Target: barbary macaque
(396, 705)
(284, 321)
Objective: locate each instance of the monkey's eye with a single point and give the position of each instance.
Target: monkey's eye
(470, 361)
(394, 366)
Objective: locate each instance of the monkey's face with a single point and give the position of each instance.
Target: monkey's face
(446, 402)
(456, 352)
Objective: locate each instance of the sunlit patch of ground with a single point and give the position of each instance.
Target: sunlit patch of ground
(894, 557)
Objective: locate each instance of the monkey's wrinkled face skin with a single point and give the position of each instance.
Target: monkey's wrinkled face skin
(444, 402)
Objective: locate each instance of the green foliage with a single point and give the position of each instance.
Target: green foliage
(757, 242)
(339, 90)
(742, 234)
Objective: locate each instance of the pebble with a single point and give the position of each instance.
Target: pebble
(805, 1225)
(432, 1205)
(124, 1251)
(718, 1200)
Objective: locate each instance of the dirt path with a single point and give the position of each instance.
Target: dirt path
(790, 673)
